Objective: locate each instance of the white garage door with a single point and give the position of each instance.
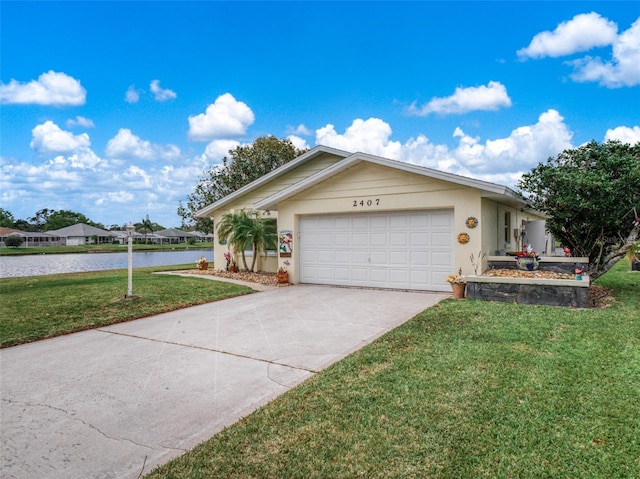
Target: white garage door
(401, 250)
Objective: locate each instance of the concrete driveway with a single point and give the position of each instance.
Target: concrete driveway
(115, 402)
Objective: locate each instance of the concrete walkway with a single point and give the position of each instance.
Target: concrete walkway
(115, 402)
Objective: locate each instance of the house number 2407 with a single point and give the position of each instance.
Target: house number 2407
(372, 202)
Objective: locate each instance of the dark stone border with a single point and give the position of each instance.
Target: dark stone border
(546, 292)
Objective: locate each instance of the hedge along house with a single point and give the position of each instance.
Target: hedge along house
(354, 219)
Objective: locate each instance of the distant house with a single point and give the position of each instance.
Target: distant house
(176, 236)
(30, 238)
(81, 233)
(355, 219)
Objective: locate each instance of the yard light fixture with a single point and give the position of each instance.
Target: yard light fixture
(130, 229)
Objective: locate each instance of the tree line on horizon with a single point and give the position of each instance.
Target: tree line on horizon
(49, 219)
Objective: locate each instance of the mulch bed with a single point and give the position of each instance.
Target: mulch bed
(269, 279)
(516, 273)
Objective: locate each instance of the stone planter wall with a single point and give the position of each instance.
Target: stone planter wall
(557, 264)
(551, 292)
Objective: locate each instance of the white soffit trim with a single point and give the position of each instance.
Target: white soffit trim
(491, 190)
(309, 155)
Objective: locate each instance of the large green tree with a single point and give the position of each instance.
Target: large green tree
(245, 230)
(6, 218)
(243, 165)
(592, 197)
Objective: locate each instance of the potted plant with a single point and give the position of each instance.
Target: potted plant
(202, 263)
(283, 274)
(458, 284)
(528, 260)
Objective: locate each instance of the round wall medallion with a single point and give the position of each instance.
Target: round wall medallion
(471, 222)
(463, 238)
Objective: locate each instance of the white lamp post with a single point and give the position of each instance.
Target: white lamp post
(130, 230)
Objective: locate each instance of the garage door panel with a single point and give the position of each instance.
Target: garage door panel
(398, 258)
(419, 221)
(325, 240)
(342, 274)
(378, 239)
(420, 278)
(407, 250)
(399, 239)
(441, 240)
(420, 239)
(360, 257)
(441, 220)
(378, 222)
(398, 221)
(379, 257)
(359, 274)
(360, 223)
(342, 256)
(325, 256)
(420, 258)
(378, 275)
(441, 259)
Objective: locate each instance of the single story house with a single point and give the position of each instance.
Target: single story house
(30, 238)
(355, 219)
(80, 234)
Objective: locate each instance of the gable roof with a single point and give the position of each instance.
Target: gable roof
(489, 190)
(175, 233)
(80, 229)
(304, 158)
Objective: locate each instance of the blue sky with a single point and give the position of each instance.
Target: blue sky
(114, 109)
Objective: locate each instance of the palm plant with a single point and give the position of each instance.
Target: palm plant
(147, 227)
(246, 229)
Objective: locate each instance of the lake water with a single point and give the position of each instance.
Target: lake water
(37, 265)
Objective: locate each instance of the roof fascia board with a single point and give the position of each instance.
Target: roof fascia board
(485, 186)
(318, 150)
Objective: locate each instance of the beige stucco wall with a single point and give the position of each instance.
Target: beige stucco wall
(397, 190)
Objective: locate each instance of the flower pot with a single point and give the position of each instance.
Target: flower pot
(283, 277)
(527, 263)
(458, 290)
(203, 266)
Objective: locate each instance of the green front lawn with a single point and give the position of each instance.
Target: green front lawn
(38, 307)
(466, 389)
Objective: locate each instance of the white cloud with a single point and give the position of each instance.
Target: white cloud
(127, 145)
(50, 138)
(299, 143)
(370, 136)
(132, 95)
(622, 70)
(218, 149)
(161, 94)
(524, 148)
(624, 134)
(490, 97)
(226, 117)
(115, 197)
(80, 121)
(499, 159)
(581, 33)
(51, 88)
(299, 130)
